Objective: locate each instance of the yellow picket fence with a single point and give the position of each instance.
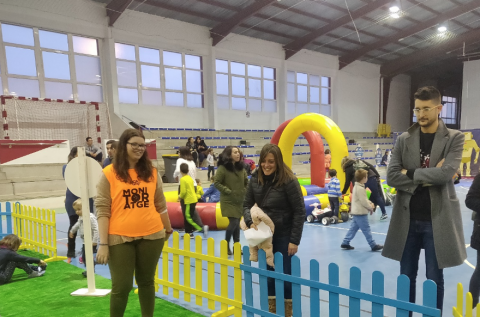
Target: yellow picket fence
(458, 310)
(196, 259)
(38, 230)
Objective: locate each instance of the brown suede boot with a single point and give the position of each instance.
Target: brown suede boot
(288, 308)
(272, 304)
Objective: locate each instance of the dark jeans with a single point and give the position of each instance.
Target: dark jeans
(139, 256)
(211, 169)
(201, 158)
(191, 218)
(97, 158)
(420, 236)
(474, 287)
(195, 157)
(6, 275)
(376, 197)
(280, 244)
(233, 229)
(334, 205)
(94, 250)
(71, 241)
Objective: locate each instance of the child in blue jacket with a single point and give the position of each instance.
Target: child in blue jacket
(211, 193)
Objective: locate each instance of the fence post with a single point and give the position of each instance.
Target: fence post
(262, 264)
(333, 279)
(296, 288)
(165, 256)
(186, 267)
(211, 272)
(176, 266)
(248, 280)
(429, 295)
(279, 285)
(198, 270)
(378, 285)
(224, 273)
(403, 293)
(460, 299)
(314, 292)
(237, 277)
(355, 284)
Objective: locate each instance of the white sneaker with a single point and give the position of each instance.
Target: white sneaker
(383, 217)
(205, 231)
(38, 273)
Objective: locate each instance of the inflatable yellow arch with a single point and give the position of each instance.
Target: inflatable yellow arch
(323, 125)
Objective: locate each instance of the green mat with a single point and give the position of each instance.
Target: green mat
(49, 295)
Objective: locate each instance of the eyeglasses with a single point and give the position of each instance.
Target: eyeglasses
(136, 146)
(424, 110)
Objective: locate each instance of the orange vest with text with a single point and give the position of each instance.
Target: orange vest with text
(133, 212)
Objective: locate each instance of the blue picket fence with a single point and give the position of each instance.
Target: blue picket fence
(377, 299)
(6, 222)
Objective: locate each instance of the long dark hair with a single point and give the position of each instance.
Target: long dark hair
(144, 167)
(198, 138)
(226, 159)
(73, 153)
(283, 173)
(185, 153)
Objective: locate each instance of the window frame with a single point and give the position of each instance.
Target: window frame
(163, 89)
(247, 79)
(40, 70)
(309, 104)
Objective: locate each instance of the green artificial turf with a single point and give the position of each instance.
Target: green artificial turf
(49, 295)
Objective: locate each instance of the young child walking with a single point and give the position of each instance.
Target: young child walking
(199, 190)
(10, 260)
(361, 206)
(334, 192)
(212, 194)
(211, 163)
(78, 228)
(188, 201)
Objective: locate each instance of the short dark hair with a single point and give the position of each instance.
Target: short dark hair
(360, 174)
(110, 142)
(88, 138)
(327, 151)
(332, 172)
(184, 168)
(428, 93)
(197, 179)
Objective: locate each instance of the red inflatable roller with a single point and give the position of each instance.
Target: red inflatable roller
(206, 211)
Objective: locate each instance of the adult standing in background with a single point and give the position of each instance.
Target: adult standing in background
(93, 151)
(193, 151)
(185, 156)
(275, 189)
(473, 202)
(231, 180)
(70, 198)
(201, 148)
(133, 223)
(111, 149)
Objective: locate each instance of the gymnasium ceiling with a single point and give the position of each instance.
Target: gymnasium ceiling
(404, 41)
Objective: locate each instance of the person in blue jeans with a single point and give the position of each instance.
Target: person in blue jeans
(334, 191)
(361, 206)
(275, 189)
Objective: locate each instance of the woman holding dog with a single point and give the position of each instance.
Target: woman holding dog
(275, 189)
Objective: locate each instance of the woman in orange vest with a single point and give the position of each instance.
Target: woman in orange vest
(133, 223)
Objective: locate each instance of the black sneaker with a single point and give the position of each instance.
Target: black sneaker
(84, 273)
(347, 247)
(377, 247)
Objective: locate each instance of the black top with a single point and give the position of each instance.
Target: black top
(420, 204)
(473, 197)
(350, 174)
(7, 255)
(283, 204)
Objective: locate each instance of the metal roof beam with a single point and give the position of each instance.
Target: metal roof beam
(408, 62)
(349, 58)
(220, 31)
(115, 9)
(295, 46)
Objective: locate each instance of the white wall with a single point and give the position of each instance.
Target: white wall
(355, 89)
(471, 96)
(398, 112)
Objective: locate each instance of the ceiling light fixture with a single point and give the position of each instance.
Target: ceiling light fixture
(442, 29)
(394, 9)
(395, 15)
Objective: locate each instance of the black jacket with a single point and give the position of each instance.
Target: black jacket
(350, 174)
(284, 205)
(7, 255)
(473, 202)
